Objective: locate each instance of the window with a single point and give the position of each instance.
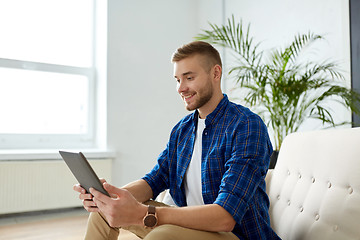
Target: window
(47, 94)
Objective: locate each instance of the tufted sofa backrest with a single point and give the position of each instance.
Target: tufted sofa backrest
(314, 189)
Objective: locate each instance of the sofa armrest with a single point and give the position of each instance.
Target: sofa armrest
(268, 179)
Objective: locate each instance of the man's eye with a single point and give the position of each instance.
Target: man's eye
(189, 78)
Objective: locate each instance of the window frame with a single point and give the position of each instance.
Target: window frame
(60, 141)
(354, 6)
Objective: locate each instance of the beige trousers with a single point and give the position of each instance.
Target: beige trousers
(98, 229)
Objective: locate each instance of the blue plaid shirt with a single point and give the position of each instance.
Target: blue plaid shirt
(235, 157)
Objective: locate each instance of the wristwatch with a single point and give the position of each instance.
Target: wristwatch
(150, 220)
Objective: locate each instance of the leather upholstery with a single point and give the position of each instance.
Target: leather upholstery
(314, 189)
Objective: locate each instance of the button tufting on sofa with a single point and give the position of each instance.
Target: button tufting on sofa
(314, 188)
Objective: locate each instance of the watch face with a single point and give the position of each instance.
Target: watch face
(150, 220)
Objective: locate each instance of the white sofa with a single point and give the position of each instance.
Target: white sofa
(314, 189)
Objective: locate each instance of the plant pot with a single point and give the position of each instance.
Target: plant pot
(273, 159)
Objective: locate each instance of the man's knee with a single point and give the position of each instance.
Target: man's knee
(98, 228)
(164, 232)
(173, 232)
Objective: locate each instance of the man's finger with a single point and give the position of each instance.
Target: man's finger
(78, 188)
(85, 196)
(89, 203)
(99, 196)
(112, 190)
(92, 209)
(99, 204)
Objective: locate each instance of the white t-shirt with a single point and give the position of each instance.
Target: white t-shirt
(192, 184)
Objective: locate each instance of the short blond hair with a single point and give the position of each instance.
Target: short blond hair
(205, 49)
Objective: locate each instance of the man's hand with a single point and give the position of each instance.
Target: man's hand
(122, 209)
(86, 198)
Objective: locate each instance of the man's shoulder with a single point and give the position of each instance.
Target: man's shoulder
(184, 122)
(241, 112)
(188, 119)
(240, 117)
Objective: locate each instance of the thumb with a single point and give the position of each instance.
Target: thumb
(112, 190)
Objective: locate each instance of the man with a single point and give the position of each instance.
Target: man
(214, 167)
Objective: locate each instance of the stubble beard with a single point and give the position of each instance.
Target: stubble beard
(204, 98)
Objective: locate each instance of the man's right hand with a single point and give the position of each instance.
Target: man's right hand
(86, 198)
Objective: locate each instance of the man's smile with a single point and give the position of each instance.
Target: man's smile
(188, 98)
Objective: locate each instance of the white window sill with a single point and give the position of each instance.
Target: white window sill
(50, 154)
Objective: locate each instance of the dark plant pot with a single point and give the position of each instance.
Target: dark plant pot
(273, 159)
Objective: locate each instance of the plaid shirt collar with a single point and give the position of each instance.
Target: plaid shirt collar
(213, 117)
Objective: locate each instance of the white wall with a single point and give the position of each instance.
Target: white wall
(142, 101)
(143, 104)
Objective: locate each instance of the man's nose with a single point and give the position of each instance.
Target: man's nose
(181, 87)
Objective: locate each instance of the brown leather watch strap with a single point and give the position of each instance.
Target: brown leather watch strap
(151, 209)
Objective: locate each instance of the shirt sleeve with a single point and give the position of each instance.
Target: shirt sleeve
(158, 177)
(247, 167)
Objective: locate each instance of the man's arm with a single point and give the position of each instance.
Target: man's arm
(125, 210)
(140, 190)
(210, 217)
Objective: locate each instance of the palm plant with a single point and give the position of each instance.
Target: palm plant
(284, 90)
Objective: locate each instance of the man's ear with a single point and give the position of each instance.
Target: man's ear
(217, 72)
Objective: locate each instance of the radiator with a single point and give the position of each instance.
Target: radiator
(41, 185)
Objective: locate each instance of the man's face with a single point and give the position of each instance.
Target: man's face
(193, 82)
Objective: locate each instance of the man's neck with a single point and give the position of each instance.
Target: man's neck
(210, 106)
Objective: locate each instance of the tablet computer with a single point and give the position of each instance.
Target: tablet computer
(83, 171)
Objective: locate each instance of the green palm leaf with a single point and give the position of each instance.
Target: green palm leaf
(282, 88)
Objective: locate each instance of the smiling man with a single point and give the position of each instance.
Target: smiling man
(214, 166)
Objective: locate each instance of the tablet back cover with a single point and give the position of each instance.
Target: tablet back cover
(82, 171)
